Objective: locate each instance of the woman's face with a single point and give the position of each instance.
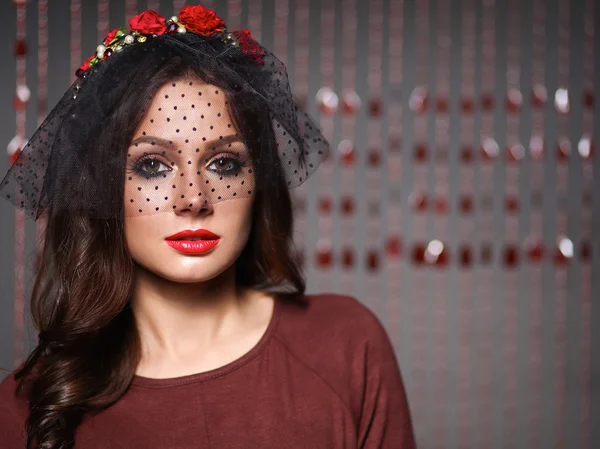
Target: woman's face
(188, 170)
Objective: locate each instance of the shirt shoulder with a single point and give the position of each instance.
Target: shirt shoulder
(334, 335)
(347, 346)
(13, 414)
(335, 319)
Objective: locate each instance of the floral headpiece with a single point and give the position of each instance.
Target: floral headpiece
(192, 18)
(75, 150)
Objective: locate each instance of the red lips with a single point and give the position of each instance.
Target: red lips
(202, 234)
(190, 241)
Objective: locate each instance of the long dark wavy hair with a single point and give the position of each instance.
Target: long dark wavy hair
(89, 347)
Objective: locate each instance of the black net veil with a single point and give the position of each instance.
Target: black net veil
(175, 122)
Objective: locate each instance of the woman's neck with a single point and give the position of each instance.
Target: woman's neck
(179, 323)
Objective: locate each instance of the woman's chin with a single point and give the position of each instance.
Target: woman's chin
(190, 275)
(184, 270)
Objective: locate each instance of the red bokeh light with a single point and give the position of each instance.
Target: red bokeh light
(465, 256)
(421, 152)
(324, 256)
(466, 204)
(374, 157)
(511, 203)
(394, 246)
(325, 205)
(467, 154)
(347, 258)
(511, 256)
(418, 254)
(487, 101)
(347, 205)
(375, 107)
(20, 47)
(535, 250)
(442, 104)
(372, 260)
(467, 105)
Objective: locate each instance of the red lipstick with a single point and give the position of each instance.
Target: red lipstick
(190, 241)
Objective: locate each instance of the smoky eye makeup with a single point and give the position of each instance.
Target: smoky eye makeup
(152, 157)
(150, 166)
(227, 164)
(153, 165)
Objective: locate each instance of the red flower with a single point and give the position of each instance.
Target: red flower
(200, 20)
(86, 63)
(148, 22)
(249, 46)
(110, 36)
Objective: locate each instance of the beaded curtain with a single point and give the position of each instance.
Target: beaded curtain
(459, 202)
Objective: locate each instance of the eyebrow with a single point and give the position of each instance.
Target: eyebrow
(220, 141)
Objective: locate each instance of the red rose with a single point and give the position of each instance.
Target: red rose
(200, 20)
(148, 22)
(249, 46)
(86, 63)
(110, 36)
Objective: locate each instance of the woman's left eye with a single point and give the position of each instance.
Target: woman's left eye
(226, 166)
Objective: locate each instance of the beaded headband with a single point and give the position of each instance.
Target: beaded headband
(192, 18)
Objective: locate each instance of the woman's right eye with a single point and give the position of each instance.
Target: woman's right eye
(150, 168)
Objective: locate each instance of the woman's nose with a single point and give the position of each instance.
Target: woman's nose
(192, 194)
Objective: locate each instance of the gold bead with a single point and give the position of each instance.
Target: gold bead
(141, 39)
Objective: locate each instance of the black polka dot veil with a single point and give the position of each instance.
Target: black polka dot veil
(174, 123)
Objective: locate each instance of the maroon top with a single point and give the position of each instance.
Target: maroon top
(322, 376)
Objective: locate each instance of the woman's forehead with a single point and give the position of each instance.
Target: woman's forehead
(188, 108)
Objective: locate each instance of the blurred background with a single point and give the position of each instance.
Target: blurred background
(459, 202)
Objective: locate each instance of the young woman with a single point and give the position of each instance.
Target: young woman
(170, 306)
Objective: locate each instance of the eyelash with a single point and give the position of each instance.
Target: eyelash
(238, 164)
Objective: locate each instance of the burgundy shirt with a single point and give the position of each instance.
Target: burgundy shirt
(324, 375)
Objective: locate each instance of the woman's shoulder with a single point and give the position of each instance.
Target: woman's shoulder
(347, 304)
(330, 320)
(338, 339)
(13, 412)
(335, 311)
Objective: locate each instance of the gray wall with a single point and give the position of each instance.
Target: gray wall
(494, 342)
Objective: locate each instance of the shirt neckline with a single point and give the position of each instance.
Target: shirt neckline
(221, 371)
